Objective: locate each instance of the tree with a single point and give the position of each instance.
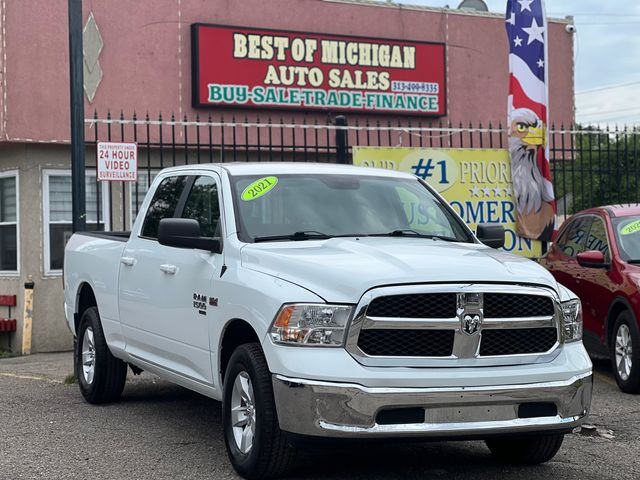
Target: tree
(602, 168)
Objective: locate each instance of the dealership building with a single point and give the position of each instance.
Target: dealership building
(251, 62)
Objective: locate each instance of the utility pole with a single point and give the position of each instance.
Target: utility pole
(76, 86)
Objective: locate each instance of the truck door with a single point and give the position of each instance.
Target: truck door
(164, 291)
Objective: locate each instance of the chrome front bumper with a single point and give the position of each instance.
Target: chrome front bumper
(329, 409)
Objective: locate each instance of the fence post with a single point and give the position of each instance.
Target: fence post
(78, 194)
(341, 139)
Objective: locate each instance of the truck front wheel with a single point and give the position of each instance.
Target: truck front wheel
(530, 450)
(100, 375)
(257, 448)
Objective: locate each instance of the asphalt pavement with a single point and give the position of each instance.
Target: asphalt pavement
(161, 431)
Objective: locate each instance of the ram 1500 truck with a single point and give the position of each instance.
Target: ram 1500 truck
(328, 301)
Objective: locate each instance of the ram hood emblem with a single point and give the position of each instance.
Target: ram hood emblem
(471, 323)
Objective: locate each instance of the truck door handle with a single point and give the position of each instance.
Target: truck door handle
(128, 261)
(169, 269)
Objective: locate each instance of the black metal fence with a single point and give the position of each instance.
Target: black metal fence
(591, 165)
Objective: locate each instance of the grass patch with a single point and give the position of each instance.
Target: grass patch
(5, 354)
(70, 379)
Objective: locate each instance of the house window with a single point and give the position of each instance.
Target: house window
(57, 212)
(9, 222)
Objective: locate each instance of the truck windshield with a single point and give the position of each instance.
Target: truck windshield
(628, 236)
(309, 207)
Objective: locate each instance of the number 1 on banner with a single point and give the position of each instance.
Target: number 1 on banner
(426, 170)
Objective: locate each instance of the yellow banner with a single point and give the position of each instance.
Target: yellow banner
(475, 182)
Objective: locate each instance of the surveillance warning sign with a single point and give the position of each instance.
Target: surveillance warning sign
(117, 162)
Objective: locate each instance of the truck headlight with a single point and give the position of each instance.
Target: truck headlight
(311, 324)
(572, 312)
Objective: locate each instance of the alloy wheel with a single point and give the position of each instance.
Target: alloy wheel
(243, 412)
(88, 356)
(624, 352)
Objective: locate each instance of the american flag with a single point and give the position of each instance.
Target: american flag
(526, 25)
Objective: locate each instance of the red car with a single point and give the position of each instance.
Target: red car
(597, 255)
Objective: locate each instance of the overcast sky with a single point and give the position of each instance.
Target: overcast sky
(607, 47)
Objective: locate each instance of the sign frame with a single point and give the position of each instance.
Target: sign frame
(99, 171)
(195, 74)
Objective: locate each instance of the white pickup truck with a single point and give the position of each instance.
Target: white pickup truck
(330, 301)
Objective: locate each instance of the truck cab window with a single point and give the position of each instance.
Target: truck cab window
(163, 205)
(203, 205)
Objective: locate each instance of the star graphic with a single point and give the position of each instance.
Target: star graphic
(486, 191)
(512, 19)
(508, 191)
(535, 32)
(540, 63)
(497, 191)
(525, 5)
(517, 41)
(475, 191)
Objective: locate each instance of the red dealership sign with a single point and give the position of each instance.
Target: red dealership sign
(245, 67)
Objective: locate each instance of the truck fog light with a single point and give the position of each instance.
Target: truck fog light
(572, 313)
(311, 324)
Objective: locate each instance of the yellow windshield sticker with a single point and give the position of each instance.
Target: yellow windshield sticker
(633, 227)
(259, 188)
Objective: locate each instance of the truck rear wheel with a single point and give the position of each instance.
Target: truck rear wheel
(526, 450)
(100, 375)
(257, 448)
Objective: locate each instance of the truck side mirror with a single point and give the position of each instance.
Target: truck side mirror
(185, 233)
(491, 235)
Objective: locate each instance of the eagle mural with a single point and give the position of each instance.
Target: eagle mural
(535, 204)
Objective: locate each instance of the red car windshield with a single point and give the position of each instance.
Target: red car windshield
(628, 236)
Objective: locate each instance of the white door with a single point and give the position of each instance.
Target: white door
(165, 291)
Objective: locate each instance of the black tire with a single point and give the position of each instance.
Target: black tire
(271, 454)
(109, 373)
(630, 384)
(526, 450)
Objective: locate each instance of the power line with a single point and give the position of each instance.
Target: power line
(591, 24)
(629, 119)
(609, 87)
(605, 112)
(621, 15)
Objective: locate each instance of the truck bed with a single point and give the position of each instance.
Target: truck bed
(118, 236)
(94, 258)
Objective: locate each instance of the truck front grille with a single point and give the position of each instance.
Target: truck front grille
(409, 343)
(517, 341)
(431, 305)
(443, 305)
(511, 305)
(458, 325)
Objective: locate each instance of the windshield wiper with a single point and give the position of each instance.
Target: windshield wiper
(407, 232)
(296, 236)
(634, 260)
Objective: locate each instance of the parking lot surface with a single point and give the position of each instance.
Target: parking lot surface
(161, 431)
